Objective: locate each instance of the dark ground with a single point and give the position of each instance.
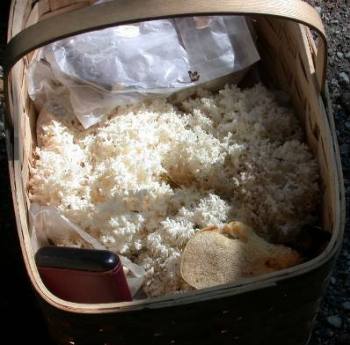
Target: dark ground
(20, 314)
(18, 307)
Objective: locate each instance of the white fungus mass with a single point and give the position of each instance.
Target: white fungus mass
(149, 176)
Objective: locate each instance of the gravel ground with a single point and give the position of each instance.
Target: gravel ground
(333, 322)
(18, 305)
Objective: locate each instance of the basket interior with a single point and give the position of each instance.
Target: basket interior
(288, 53)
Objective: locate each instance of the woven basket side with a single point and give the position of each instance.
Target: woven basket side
(285, 49)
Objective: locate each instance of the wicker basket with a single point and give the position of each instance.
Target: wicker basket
(277, 308)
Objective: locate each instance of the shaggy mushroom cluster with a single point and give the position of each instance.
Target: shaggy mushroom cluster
(149, 176)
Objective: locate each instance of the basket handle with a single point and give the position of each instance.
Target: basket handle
(128, 11)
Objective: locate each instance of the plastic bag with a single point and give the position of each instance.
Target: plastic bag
(49, 226)
(97, 71)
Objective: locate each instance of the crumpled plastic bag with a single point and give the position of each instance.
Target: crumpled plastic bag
(97, 71)
(48, 226)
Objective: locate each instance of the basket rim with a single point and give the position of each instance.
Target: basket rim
(225, 290)
(220, 291)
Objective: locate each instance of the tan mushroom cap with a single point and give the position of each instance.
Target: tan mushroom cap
(224, 255)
